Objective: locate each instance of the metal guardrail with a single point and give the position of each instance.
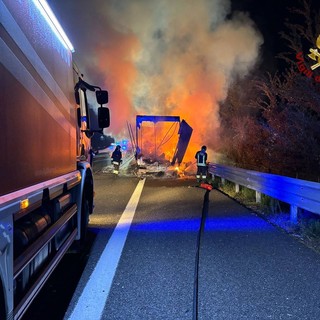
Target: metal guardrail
(298, 193)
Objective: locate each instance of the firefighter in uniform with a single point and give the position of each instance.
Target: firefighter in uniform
(201, 157)
(116, 159)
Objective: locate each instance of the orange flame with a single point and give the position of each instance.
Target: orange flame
(178, 58)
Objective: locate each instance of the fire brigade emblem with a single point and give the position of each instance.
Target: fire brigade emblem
(315, 55)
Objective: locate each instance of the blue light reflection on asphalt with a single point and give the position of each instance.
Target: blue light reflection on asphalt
(247, 224)
(179, 225)
(213, 224)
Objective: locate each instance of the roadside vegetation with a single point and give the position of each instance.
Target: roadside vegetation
(271, 122)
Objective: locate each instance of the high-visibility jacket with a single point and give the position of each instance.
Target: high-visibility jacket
(201, 157)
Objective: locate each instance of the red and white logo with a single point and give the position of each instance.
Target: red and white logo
(313, 58)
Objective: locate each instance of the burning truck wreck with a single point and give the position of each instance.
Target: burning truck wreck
(160, 143)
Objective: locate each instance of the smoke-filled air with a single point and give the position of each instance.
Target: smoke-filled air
(166, 57)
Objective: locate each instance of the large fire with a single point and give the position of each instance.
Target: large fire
(166, 58)
(158, 141)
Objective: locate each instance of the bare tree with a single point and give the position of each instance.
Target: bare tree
(272, 123)
(302, 31)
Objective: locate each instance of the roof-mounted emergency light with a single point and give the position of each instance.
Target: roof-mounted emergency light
(47, 13)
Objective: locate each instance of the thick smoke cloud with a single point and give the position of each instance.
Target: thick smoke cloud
(163, 57)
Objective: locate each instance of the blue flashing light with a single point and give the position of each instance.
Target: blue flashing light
(54, 24)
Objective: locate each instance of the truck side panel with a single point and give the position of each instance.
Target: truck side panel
(38, 136)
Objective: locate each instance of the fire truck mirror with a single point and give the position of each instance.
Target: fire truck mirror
(103, 117)
(102, 97)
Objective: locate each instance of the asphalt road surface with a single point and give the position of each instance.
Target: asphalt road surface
(141, 260)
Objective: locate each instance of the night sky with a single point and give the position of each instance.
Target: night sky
(269, 17)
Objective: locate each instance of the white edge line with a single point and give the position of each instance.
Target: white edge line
(91, 303)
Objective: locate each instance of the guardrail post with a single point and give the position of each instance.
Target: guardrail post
(293, 214)
(258, 197)
(223, 181)
(237, 188)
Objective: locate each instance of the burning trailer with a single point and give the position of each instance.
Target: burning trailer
(163, 145)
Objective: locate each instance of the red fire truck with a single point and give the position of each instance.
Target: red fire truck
(46, 183)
